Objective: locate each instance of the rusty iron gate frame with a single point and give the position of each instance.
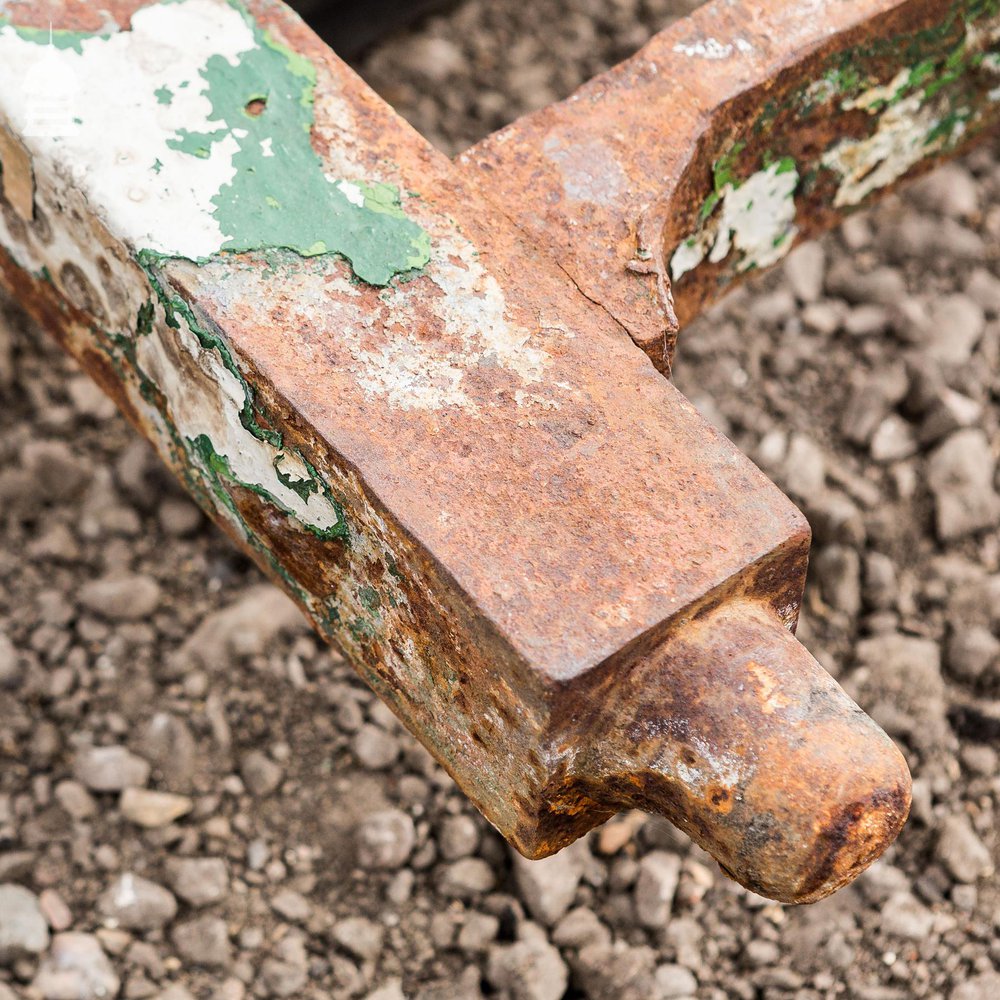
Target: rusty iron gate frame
(410, 387)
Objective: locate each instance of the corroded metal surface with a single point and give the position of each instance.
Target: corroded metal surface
(575, 593)
(735, 133)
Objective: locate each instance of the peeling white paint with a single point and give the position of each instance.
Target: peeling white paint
(206, 398)
(352, 193)
(113, 128)
(756, 220)
(712, 48)
(899, 142)
(589, 169)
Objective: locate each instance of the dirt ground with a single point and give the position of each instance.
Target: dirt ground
(308, 848)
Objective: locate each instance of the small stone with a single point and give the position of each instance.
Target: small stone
(392, 990)
(479, 931)
(58, 474)
(893, 440)
(244, 628)
(579, 928)
(179, 517)
(903, 915)
(804, 468)
(549, 886)
(122, 598)
(198, 881)
(359, 937)
(291, 905)
(374, 748)
(527, 970)
(260, 774)
(961, 851)
(465, 879)
(137, 904)
(616, 972)
(10, 665)
(385, 840)
(655, 886)
(286, 971)
(983, 287)
(985, 986)
(110, 769)
(972, 652)
(203, 941)
(960, 475)
(23, 930)
(949, 190)
(167, 742)
(57, 914)
(74, 798)
(76, 968)
(675, 981)
(805, 271)
(954, 325)
(458, 837)
(153, 809)
(838, 570)
(175, 992)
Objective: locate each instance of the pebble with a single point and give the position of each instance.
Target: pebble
(893, 440)
(287, 970)
(616, 972)
(110, 769)
(985, 986)
(121, 598)
(961, 851)
(291, 905)
(838, 571)
(465, 879)
(458, 837)
(57, 914)
(137, 904)
(527, 970)
(360, 937)
(953, 327)
(198, 881)
(203, 941)
(548, 886)
(260, 774)
(972, 652)
(904, 916)
(579, 928)
(58, 474)
(10, 663)
(75, 800)
(76, 968)
(23, 929)
(374, 748)
(655, 886)
(983, 287)
(385, 840)
(675, 981)
(153, 809)
(244, 628)
(167, 742)
(960, 476)
(805, 271)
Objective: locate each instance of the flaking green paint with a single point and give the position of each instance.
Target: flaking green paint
(280, 196)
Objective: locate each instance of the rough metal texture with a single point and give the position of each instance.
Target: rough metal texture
(735, 133)
(568, 586)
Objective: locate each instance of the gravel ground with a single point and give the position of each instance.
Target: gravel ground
(199, 800)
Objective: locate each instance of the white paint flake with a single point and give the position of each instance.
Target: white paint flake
(107, 133)
(756, 220)
(352, 193)
(712, 48)
(206, 398)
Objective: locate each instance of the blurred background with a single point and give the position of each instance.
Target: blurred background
(321, 853)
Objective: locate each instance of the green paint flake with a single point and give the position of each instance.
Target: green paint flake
(164, 95)
(280, 197)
